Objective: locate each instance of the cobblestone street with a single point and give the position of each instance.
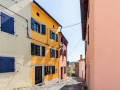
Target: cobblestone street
(73, 83)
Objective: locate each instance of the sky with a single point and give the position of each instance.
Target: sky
(67, 12)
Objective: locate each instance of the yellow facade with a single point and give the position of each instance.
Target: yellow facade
(45, 41)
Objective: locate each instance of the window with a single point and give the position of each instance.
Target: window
(53, 36)
(37, 50)
(49, 70)
(7, 23)
(38, 14)
(62, 39)
(53, 26)
(37, 27)
(61, 51)
(7, 64)
(53, 53)
(64, 52)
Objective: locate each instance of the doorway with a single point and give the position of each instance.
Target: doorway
(61, 73)
(38, 75)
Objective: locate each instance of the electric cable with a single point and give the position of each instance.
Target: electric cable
(72, 25)
(75, 46)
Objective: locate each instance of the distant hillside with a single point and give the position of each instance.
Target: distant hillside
(71, 63)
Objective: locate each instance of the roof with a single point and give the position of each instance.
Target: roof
(46, 12)
(63, 36)
(84, 10)
(81, 60)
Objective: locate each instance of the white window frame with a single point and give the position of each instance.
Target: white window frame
(14, 26)
(14, 65)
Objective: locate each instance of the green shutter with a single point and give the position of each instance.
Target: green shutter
(51, 34)
(51, 52)
(56, 53)
(56, 37)
(43, 29)
(32, 49)
(32, 23)
(43, 51)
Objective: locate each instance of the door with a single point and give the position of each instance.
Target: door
(61, 73)
(38, 75)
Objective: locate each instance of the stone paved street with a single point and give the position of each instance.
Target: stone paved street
(73, 83)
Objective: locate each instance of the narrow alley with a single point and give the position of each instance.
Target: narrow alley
(73, 83)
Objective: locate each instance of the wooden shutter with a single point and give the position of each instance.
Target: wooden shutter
(7, 64)
(56, 53)
(43, 51)
(32, 49)
(32, 23)
(56, 37)
(64, 52)
(43, 29)
(61, 52)
(45, 70)
(7, 23)
(51, 34)
(51, 52)
(53, 69)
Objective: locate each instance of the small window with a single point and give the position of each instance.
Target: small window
(7, 64)
(48, 70)
(53, 53)
(61, 52)
(53, 36)
(38, 14)
(53, 26)
(64, 52)
(7, 23)
(37, 27)
(37, 50)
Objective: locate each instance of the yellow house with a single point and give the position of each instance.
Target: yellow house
(44, 46)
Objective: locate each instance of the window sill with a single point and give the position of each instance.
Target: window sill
(37, 56)
(53, 58)
(8, 33)
(54, 40)
(8, 73)
(38, 32)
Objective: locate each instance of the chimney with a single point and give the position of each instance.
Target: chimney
(80, 57)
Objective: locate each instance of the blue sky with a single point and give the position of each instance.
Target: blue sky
(67, 12)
